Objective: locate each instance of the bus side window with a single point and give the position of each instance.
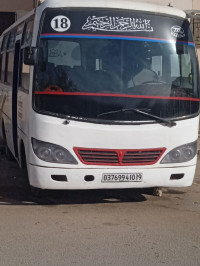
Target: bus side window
(0, 66)
(3, 58)
(3, 66)
(24, 75)
(10, 57)
(10, 64)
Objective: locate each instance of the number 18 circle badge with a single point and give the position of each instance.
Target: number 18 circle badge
(60, 23)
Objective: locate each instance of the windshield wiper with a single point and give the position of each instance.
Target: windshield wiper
(66, 122)
(164, 121)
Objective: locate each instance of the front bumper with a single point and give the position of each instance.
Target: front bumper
(41, 177)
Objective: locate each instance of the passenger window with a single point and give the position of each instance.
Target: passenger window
(11, 43)
(3, 66)
(10, 68)
(4, 44)
(0, 66)
(24, 77)
(27, 38)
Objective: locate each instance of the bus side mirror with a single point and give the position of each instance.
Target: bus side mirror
(30, 55)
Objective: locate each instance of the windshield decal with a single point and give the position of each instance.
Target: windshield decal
(120, 24)
(116, 95)
(109, 37)
(177, 32)
(60, 23)
(114, 21)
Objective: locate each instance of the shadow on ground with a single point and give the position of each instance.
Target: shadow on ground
(15, 190)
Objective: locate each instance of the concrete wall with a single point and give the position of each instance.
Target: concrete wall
(18, 6)
(196, 4)
(198, 53)
(175, 3)
(13, 5)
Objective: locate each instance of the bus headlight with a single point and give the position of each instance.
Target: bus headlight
(181, 154)
(53, 153)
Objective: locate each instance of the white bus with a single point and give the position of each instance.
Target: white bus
(101, 95)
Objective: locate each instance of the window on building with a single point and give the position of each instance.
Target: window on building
(6, 19)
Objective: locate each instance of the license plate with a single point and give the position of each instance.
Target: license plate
(111, 178)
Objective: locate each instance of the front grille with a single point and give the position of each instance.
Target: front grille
(98, 156)
(141, 157)
(119, 157)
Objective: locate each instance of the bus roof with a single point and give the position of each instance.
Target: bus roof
(122, 4)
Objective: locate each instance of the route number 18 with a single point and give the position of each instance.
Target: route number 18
(60, 23)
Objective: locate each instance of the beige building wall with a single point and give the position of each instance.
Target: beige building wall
(13, 5)
(18, 6)
(181, 4)
(196, 4)
(22, 6)
(184, 4)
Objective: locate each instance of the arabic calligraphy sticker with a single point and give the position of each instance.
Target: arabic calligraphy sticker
(60, 23)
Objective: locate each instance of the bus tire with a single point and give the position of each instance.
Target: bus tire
(8, 154)
(36, 192)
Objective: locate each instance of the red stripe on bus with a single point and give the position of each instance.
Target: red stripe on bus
(115, 95)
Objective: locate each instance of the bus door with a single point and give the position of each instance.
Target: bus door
(14, 96)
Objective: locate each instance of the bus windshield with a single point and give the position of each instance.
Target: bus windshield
(85, 75)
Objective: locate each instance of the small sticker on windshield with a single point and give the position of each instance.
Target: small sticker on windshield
(177, 31)
(60, 23)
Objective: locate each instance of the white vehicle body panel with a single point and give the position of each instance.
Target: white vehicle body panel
(96, 136)
(88, 135)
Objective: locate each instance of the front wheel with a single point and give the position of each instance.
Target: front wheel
(37, 192)
(8, 153)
